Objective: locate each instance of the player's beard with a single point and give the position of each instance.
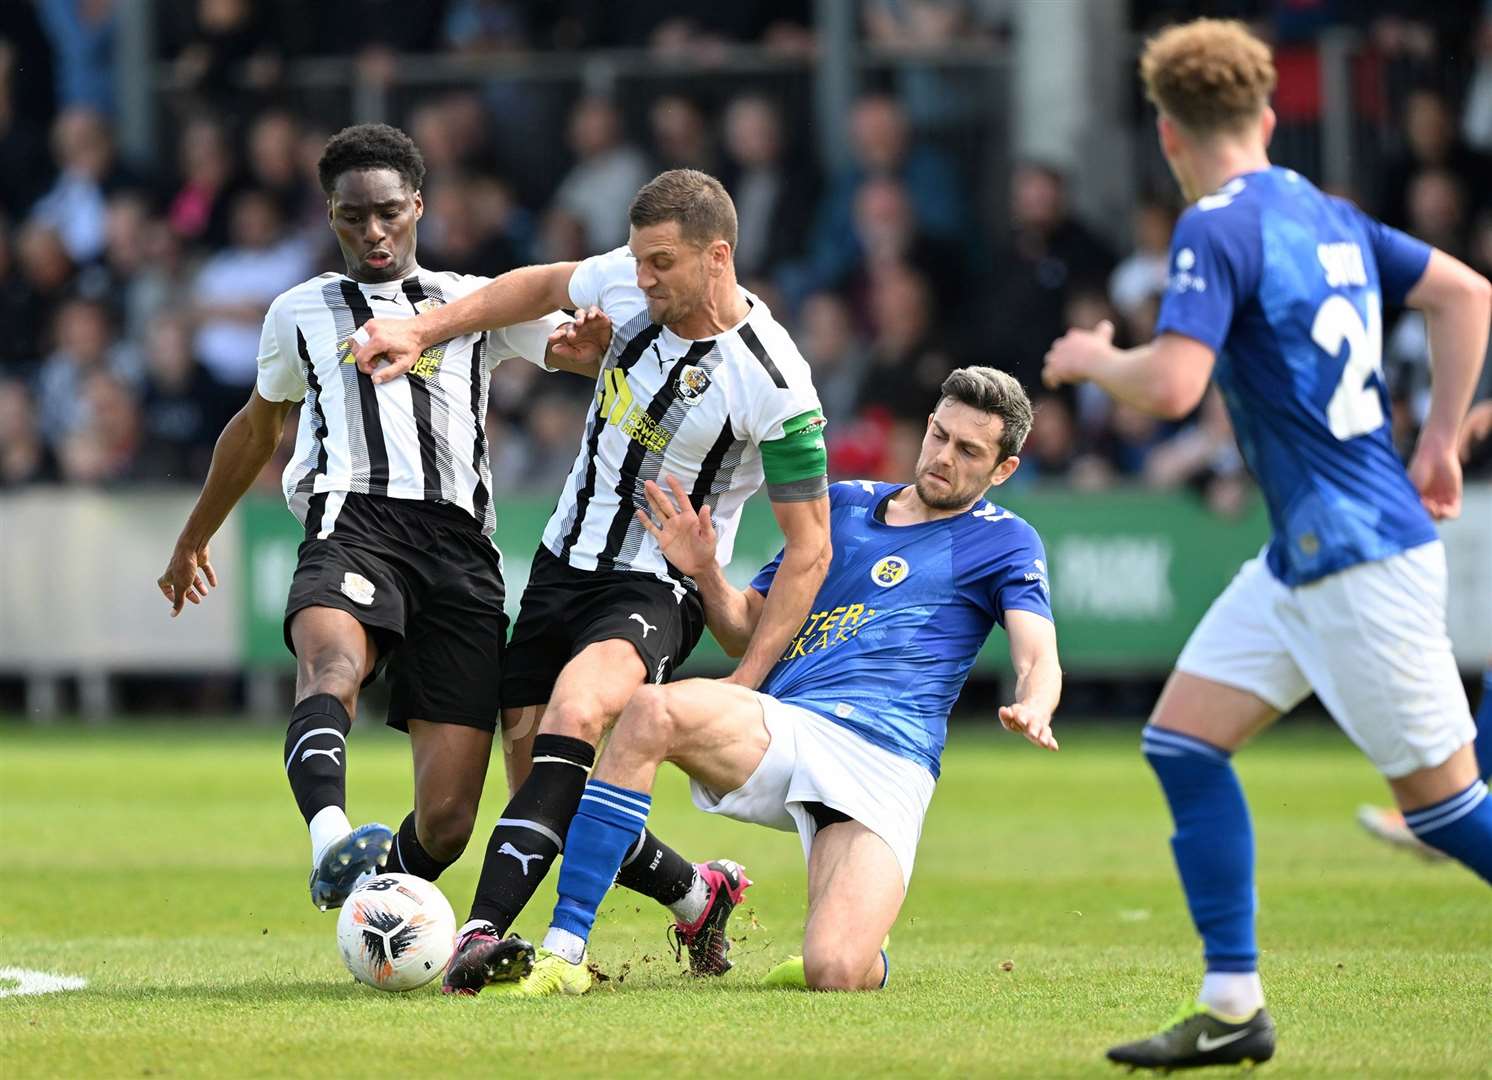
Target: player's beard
(940, 499)
(681, 306)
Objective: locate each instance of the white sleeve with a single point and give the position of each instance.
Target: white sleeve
(778, 395)
(281, 377)
(608, 282)
(529, 340)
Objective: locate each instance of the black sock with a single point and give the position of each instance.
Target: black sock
(316, 754)
(532, 829)
(409, 855)
(656, 870)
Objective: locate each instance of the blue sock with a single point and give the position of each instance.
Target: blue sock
(1213, 844)
(1483, 744)
(1460, 826)
(603, 830)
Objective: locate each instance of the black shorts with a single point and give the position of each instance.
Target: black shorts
(428, 586)
(565, 609)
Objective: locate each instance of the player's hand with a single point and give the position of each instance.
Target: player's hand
(686, 538)
(1435, 471)
(184, 577)
(583, 340)
(1034, 724)
(387, 348)
(1476, 428)
(1075, 354)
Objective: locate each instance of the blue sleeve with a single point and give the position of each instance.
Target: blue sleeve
(1020, 582)
(763, 580)
(1214, 265)
(1401, 259)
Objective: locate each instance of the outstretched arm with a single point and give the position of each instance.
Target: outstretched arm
(1165, 378)
(243, 449)
(1038, 677)
(518, 296)
(687, 540)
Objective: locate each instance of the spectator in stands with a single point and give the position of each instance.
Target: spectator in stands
(25, 457)
(682, 137)
(463, 227)
(142, 261)
(183, 408)
(274, 164)
(1436, 201)
(834, 350)
(606, 174)
(84, 152)
(908, 358)
(1202, 455)
(18, 347)
(774, 195)
(234, 287)
(82, 33)
(882, 145)
(1431, 142)
(86, 344)
(46, 276)
(102, 451)
(1141, 275)
(1047, 256)
(224, 42)
(199, 209)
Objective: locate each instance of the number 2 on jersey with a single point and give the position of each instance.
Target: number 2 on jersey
(1355, 407)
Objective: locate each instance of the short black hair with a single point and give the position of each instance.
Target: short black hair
(370, 146)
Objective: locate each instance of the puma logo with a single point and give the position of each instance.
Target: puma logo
(332, 753)
(647, 627)
(523, 858)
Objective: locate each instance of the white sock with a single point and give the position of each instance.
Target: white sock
(328, 826)
(692, 905)
(570, 946)
(474, 924)
(1235, 995)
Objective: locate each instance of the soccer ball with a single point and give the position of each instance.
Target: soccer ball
(396, 932)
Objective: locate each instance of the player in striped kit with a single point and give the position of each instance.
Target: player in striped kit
(700, 383)
(392, 485)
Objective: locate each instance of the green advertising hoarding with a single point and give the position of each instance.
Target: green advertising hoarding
(1131, 572)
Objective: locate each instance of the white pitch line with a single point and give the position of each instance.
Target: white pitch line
(36, 982)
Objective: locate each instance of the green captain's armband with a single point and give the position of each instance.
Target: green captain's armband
(797, 465)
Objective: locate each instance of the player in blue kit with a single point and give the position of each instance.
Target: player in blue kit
(1276, 292)
(842, 742)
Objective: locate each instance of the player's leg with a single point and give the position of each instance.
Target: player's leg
(520, 726)
(716, 734)
(1232, 679)
(450, 768)
(1383, 665)
(1389, 825)
(334, 653)
(855, 891)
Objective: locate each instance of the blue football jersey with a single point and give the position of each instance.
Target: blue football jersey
(1287, 286)
(904, 610)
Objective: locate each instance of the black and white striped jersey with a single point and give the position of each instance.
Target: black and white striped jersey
(420, 437)
(665, 405)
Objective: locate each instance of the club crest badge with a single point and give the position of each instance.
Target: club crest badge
(693, 382)
(429, 303)
(357, 588)
(891, 570)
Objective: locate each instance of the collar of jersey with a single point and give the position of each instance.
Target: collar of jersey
(394, 282)
(878, 511)
(680, 345)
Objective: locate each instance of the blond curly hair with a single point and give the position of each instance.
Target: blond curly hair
(1208, 75)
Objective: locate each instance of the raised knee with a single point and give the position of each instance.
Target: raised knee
(332, 673)
(445, 828)
(577, 719)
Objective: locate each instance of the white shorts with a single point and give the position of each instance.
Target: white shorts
(1369, 640)
(810, 759)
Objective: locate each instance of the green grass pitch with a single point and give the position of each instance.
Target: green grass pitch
(167, 865)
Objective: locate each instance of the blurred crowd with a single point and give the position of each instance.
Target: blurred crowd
(132, 293)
